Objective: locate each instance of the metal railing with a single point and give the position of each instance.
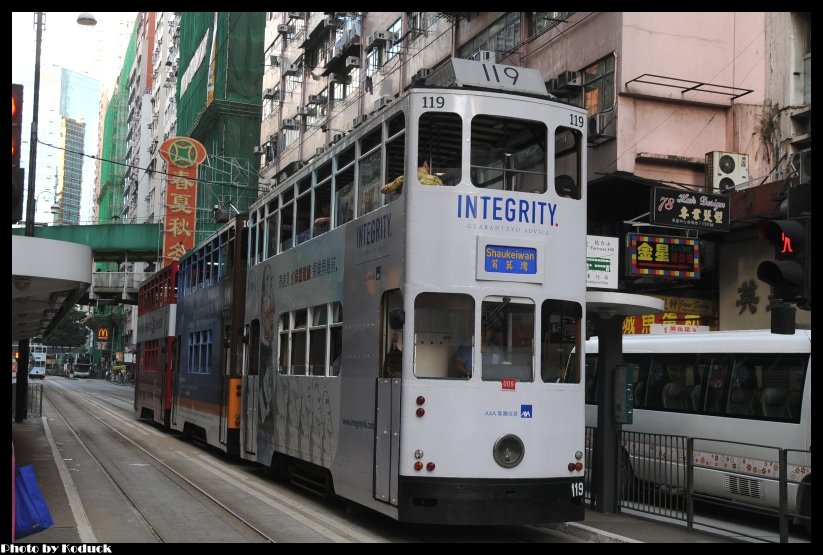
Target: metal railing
(656, 476)
(34, 399)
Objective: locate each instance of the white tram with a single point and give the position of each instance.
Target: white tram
(364, 291)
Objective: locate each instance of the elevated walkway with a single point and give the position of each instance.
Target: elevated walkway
(109, 243)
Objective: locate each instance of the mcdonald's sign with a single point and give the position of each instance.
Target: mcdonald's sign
(103, 334)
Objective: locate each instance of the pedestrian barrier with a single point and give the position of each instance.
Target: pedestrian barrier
(34, 399)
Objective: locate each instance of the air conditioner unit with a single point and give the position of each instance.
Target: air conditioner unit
(421, 75)
(336, 138)
(352, 61)
(274, 60)
(295, 15)
(359, 120)
(319, 150)
(293, 69)
(329, 22)
(551, 85)
(269, 93)
(306, 111)
(337, 78)
(259, 150)
(377, 38)
(317, 99)
(485, 56)
(726, 170)
(597, 125)
(283, 29)
(382, 102)
(801, 165)
(569, 79)
(289, 123)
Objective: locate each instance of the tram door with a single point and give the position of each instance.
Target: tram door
(387, 410)
(251, 377)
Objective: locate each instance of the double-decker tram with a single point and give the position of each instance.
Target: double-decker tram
(206, 375)
(412, 295)
(156, 319)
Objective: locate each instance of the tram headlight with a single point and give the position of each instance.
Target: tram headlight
(508, 451)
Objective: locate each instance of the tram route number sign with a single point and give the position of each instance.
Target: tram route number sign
(470, 73)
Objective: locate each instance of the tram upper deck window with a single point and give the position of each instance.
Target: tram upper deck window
(440, 144)
(568, 144)
(508, 154)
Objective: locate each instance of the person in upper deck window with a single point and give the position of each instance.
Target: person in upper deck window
(423, 176)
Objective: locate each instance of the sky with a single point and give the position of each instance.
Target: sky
(94, 51)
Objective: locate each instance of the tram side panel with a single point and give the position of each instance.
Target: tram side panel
(198, 399)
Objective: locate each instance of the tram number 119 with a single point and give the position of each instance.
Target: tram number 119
(577, 489)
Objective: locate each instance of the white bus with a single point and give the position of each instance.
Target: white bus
(363, 287)
(751, 389)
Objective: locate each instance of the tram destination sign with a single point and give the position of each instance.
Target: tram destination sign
(689, 209)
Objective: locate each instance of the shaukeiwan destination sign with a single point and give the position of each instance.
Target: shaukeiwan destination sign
(689, 209)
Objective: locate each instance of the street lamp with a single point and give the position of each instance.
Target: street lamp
(87, 19)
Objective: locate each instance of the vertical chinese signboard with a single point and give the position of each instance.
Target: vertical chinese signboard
(183, 155)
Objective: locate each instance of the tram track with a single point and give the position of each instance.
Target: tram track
(250, 497)
(182, 481)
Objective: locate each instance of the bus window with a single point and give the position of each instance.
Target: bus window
(741, 389)
(440, 145)
(716, 385)
(508, 154)
(344, 187)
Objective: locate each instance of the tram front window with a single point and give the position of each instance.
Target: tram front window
(443, 324)
(512, 337)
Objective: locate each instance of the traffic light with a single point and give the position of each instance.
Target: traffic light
(790, 271)
(17, 185)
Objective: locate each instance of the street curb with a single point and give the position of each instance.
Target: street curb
(590, 534)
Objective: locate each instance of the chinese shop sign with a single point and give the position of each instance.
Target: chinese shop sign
(183, 155)
(662, 256)
(689, 210)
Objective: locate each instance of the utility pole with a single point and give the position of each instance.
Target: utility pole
(21, 406)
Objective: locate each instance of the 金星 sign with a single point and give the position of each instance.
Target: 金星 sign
(661, 255)
(689, 210)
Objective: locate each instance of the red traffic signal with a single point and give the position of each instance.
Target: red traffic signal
(16, 122)
(790, 272)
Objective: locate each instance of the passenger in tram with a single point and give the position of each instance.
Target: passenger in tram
(323, 222)
(489, 349)
(423, 176)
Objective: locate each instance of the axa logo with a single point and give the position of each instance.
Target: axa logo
(525, 411)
